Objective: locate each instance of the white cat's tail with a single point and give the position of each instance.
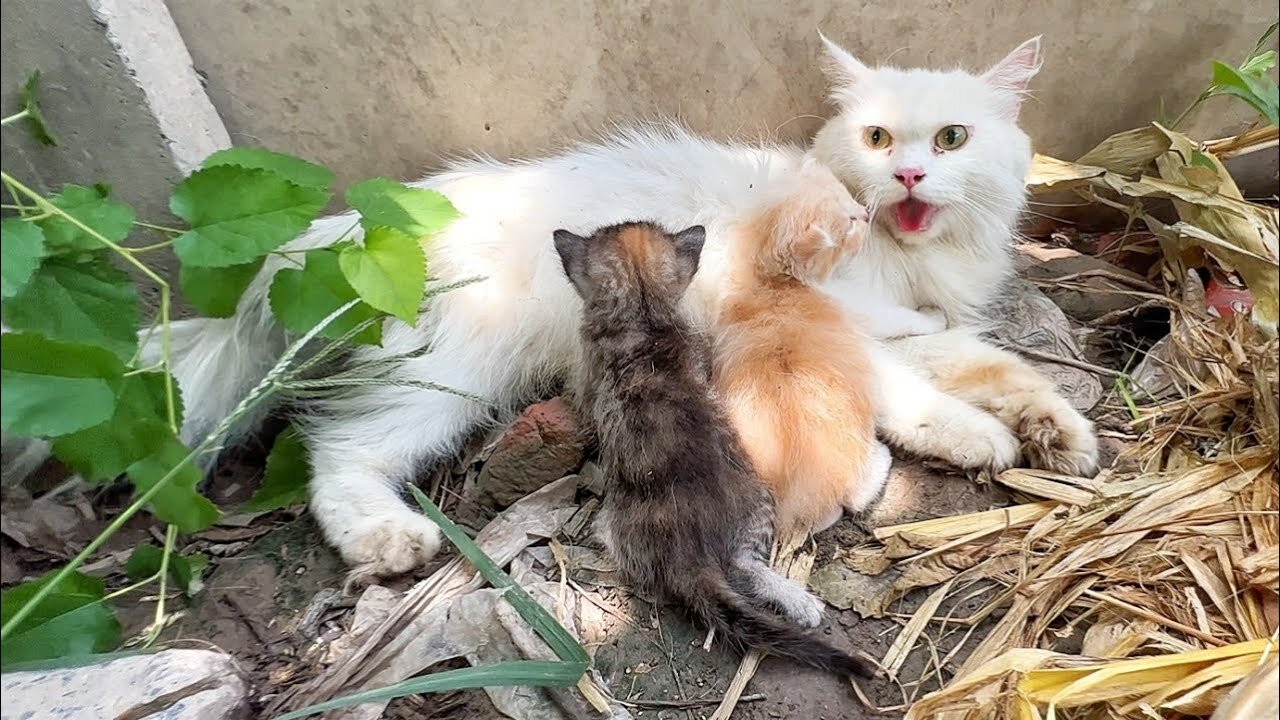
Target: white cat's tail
(218, 361)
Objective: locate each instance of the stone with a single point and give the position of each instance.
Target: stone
(1105, 288)
(543, 444)
(169, 685)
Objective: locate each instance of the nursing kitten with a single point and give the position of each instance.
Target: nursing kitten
(684, 515)
(791, 370)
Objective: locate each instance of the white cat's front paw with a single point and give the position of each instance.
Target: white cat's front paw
(982, 442)
(1057, 438)
(388, 545)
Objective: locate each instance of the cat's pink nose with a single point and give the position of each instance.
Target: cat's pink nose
(909, 176)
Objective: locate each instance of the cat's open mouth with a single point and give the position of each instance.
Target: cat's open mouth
(913, 215)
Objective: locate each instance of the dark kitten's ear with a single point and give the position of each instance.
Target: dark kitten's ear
(573, 256)
(689, 244)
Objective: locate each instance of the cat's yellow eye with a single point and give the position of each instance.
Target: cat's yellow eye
(951, 137)
(876, 138)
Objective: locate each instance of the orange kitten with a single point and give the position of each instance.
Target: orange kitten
(793, 373)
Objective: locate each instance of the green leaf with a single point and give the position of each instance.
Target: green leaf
(70, 621)
(177, 502)
(215, 291)
(301, 299)
(22, 248)
(389, 272)
(565, 646)
(240, 214)
(1260, 93)
(90, 207)
(53, 388)
(105, 451)
(1259, 64)
(184, 570)
(295, 170)
(1200, 159)
(91, 302)
(31, 105)
(187, 572)
(417, 212)
(528, 673)
(143, 562)
(285, 481)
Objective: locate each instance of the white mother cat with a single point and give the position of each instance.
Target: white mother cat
(939, 154)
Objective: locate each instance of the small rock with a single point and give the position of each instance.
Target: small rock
(1107, 290)
(543, 444)
(172, 685)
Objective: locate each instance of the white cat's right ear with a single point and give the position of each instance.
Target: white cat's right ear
(573, 257)
(841, 67)
(1012, 75)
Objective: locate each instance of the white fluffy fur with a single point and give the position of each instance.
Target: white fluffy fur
(504, 337)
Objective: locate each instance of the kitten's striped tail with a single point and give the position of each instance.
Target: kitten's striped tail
(752, 626)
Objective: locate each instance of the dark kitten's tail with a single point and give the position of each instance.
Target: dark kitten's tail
(755, 627)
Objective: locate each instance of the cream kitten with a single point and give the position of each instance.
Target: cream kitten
(943, 243)
(791, 369)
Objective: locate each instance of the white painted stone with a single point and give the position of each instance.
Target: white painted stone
(184, 684)
(148, 42)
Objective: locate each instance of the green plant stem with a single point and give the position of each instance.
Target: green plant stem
(259, 393)
(130, 588)
(141, 370)
(170, 536)
(1203, 96)
(15, 117)
(102, 537)
(46, 206)
(161, 228)
(149, 248)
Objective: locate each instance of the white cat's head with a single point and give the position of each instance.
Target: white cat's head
(935, 154)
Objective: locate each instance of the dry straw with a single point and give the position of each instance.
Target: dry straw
(1151, 590)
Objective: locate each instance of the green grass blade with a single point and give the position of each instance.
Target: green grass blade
(531, 673)
(564, 645)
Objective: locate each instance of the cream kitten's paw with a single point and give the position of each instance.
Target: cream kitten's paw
(935, 319)
(1057, 438)
(388, 545)
(865, 488)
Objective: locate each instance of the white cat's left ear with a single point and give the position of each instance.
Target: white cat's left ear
(1013, 74)
(843, 69)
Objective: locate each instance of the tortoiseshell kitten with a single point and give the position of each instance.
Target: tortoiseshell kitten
(685, 516)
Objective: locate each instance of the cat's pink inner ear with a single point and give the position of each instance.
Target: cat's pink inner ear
(1013, 74)
(840, 65)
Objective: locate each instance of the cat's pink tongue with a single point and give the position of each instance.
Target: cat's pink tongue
(913, 215)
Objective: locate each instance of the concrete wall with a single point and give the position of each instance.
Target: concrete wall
(388, 87)
(120, 96)
(373, 87)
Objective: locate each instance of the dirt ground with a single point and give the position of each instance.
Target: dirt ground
(274, 599)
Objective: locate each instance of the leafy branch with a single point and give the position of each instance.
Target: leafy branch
(1249, 82)
(78, 371)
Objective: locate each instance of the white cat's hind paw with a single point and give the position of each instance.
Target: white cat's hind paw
(1057, 438)
(388, 545)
